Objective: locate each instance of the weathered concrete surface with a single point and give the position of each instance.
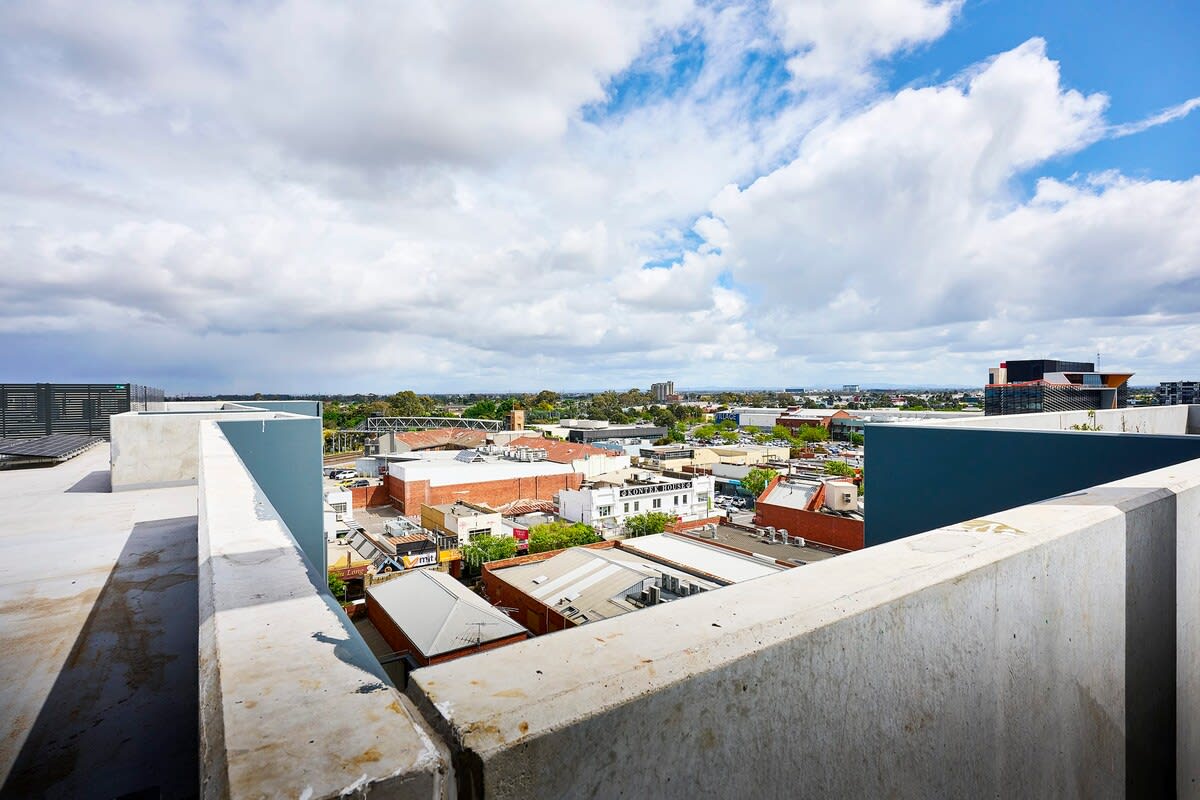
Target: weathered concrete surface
(156, 449)
(98, 616)
(1187, 639)
(1026, 655)
(1168, 420)
(292, 703)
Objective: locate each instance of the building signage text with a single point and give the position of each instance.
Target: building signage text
(421, 560)
(634, 491)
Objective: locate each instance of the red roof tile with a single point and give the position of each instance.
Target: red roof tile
(440, 437)
(558, 451)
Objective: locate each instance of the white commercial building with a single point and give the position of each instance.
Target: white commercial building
(607, 507)
(461, 520)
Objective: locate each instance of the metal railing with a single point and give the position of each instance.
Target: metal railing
(388, 424)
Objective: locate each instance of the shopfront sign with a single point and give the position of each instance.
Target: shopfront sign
(656, 488)
(420, 560)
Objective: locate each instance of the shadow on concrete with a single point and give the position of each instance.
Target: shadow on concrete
(121, 717)
(98, 482)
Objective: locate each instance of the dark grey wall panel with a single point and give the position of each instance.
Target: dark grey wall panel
(919, 478)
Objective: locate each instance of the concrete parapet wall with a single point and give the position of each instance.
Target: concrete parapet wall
(292, 702)
(1052, 650)
(1169, 420)
(154, 449)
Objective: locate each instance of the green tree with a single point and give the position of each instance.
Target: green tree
(662, 416)
(857, 439)
(839, 468)
(337, 587)
(485, 548)
(545, 400)
(647, 523)
(729, 437)
(812, 433)
(675, 435)
(484, 409)
(728, 425)
(757, 478)
(559, 535)
(781, 432)
(409, 404)
(706, 431)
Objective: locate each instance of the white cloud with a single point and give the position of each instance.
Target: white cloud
(838, 42)
(301, 197)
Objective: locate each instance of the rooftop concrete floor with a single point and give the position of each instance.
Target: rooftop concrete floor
(98, 649)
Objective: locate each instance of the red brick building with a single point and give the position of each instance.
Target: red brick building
(812, 418)
(409, 496)
(799, 510)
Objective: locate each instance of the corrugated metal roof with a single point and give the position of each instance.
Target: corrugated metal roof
(526, 506)
(704, 558)
(438, 614)
(585, 584)
(791, 495)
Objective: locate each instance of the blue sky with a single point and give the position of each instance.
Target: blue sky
(595, 194)
(1143, 56)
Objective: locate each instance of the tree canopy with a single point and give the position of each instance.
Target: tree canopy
(647, 523)
(839, 468)
(757, 478)
(812, 433)
(559, 534)
(484, 548)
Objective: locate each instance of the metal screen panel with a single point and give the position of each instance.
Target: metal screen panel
(42, 409)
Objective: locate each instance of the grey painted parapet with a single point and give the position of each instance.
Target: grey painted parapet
(284, 456)
(292, 702)
(919, 477)
(305, 408)
(1046, 651)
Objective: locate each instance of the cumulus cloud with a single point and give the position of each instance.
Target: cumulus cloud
(904, 217)
(294, 197)
(839, 42)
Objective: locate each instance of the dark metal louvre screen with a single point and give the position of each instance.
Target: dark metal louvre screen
(21, 410)
(41, 409)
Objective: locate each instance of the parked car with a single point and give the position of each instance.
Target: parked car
(358, 484)
(344, 474)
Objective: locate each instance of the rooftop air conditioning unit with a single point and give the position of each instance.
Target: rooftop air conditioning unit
(841, 496)
(654, 596)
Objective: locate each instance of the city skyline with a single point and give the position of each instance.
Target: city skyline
(797, 193)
